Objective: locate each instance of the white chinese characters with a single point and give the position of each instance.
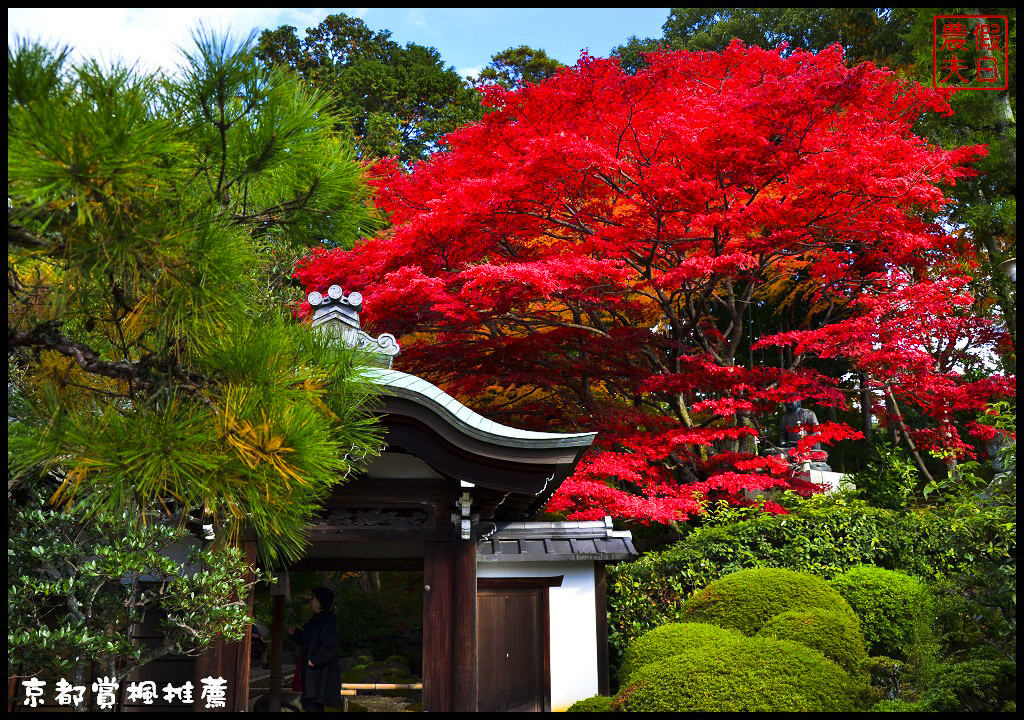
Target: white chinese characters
(105, 692)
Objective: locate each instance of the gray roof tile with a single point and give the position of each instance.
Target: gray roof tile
(550, 541)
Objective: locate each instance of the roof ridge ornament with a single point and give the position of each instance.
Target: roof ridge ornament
(337, 315)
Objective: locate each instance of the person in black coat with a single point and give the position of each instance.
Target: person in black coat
(318, 671)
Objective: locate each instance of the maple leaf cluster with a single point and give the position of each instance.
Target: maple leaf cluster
(594, 252)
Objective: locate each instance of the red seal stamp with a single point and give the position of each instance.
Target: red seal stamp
(971, 52)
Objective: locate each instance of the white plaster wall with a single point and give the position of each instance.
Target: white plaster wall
(573, 618)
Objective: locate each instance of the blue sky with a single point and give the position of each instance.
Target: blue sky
(465, 37)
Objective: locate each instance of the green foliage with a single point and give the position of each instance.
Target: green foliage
(750, 675)
(860, 30)
(970, 686)
(895, 609)
(963, 547)
(889, 479)
(597, 703)
(75, 591)
(381, 612)
(668, 640)
(969, 548)
(151, 219)
(830, 633)
(395, 669)
(973, 541)
(397, 100)
(973, 686)
(887, 676)
(863, 32)
(822, 535)
(515, 67)
(747, 599)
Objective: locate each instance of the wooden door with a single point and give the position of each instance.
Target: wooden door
(513, 645)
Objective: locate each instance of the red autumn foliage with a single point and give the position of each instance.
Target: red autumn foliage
(592, 254)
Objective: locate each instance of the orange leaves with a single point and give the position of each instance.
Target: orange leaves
(254, 444)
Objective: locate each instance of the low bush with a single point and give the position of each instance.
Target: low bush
(888, 480)
(747, 599)
(668, 640)
(973, 686)
(894, 609)
(597, 703)
(823, 535)
(749, 675)
(831, 633)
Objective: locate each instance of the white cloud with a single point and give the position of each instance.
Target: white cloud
(415, 18)
(468, 72)
(150, 36)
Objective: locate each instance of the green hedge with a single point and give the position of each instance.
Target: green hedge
(747, 599)
(746, 675)
(825, 536)
(597, 703)
(668, 640)
(831, 633)
(895, 609)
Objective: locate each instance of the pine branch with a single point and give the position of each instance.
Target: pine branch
(140, 374)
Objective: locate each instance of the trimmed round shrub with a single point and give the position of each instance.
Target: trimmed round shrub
(747, 599)
(668, 640)
(894, 609)
(597, 703)
(835, 635)
(752, 675)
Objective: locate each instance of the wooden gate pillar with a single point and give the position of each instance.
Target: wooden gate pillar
(437, 626)
(450, 676)
(464, 623)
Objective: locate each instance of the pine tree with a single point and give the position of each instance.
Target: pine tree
(152, 220)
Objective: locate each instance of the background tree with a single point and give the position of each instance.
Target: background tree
(160, 366)
(588, 255)
(516, 66)
(875, 34)
(397, 100)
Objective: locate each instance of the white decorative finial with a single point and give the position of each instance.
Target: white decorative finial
(338, 315)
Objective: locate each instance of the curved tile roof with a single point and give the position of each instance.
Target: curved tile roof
(409, 387)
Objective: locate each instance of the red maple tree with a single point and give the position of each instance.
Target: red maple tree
(608, 251)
